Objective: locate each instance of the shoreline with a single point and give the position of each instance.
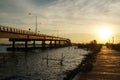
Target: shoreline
(87, 63)
(85, 66)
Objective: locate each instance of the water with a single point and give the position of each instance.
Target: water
(31, 65)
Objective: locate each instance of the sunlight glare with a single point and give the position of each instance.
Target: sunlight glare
(104, 33)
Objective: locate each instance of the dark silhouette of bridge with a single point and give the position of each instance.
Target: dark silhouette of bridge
(19, 35)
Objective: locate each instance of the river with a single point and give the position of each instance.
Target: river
(31, 65)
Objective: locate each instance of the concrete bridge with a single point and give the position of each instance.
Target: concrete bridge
(19, 35)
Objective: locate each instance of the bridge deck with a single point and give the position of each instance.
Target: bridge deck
(9, 32)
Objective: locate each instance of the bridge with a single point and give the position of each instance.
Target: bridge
(19, 35)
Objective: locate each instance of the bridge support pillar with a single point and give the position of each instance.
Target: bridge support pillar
(34, 43)
(26, 44)
(65, 44)
(55, 43)
(50, 45)
(59, 43)
(43, 43)
(13, 44)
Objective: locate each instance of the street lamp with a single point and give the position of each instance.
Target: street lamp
(35, 22)
(29, 29)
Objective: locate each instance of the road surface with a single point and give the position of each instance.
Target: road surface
(106, 67)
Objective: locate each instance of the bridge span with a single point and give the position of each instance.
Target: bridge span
(19, 35)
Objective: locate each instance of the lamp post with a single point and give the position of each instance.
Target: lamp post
(35, 22)
(29, 29)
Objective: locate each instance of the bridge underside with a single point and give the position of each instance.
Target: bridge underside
(48, 43)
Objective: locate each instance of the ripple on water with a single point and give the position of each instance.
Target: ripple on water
(31, 66)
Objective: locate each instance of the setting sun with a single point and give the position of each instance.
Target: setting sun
(104, 33)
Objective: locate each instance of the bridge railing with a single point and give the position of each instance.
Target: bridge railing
(15, 30)
(20, 31)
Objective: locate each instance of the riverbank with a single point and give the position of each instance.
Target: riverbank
(87, 63)
(85, 66)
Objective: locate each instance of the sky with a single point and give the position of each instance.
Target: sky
(78, 20)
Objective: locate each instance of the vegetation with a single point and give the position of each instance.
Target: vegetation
(87, 63)
(113, 46)
(92, 46)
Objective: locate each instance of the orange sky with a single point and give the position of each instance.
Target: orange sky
(78, 20)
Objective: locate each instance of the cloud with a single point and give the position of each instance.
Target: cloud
(43, 2)
(60, 10)
(69, 16)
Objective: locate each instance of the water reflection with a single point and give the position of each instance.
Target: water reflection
(31, 66)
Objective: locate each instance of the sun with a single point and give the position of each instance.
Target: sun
(104, 33)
